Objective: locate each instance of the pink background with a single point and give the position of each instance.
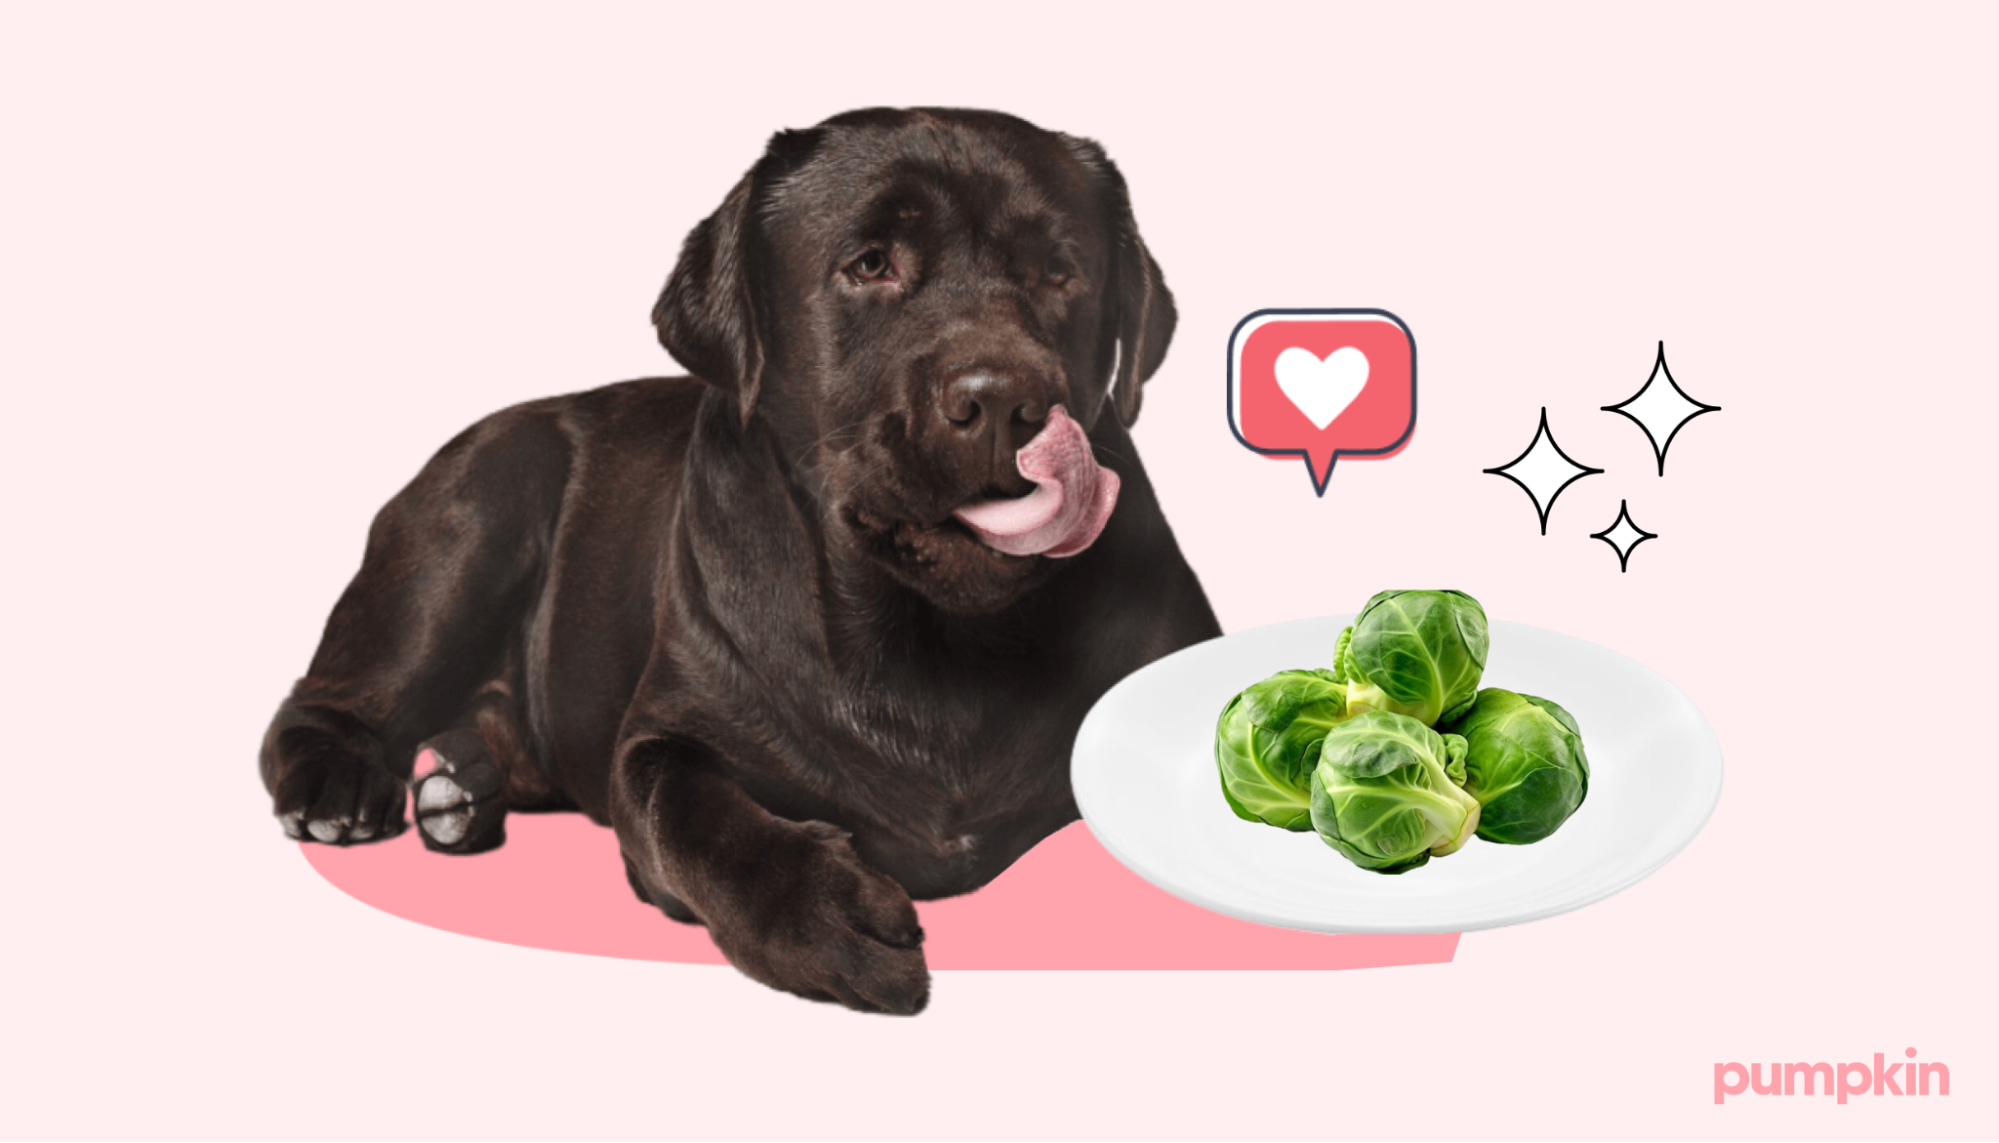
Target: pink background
(258, 265)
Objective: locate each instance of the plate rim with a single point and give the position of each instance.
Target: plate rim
(1608, 889)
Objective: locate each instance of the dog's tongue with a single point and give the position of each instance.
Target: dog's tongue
(1069, 506)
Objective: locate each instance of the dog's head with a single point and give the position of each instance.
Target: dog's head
(901, 298)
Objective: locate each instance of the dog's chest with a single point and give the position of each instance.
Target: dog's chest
(945, 809)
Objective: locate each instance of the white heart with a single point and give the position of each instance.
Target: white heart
(1322, 390)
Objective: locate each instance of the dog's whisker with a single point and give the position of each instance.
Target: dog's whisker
(856, 425)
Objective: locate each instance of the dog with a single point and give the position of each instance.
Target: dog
(803, 628)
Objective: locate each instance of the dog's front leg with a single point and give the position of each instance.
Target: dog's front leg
(788, 902)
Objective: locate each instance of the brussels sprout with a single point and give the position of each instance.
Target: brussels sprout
(1386, 792)
(1524, 763)
(1418, 653)
(1261, 744)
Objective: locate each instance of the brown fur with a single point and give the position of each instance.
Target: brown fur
(733, 617)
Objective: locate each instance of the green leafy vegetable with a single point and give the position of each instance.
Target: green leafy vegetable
(1419, 653)
(1262, 742)
(1524, 763)
(1386, 792)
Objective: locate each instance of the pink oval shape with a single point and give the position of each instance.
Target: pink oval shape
(559, 883)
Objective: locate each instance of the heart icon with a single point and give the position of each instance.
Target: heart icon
(1322, 390)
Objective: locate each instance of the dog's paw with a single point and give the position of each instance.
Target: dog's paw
(338, 799)
(835, 930)
(658, 898)
(458, 804)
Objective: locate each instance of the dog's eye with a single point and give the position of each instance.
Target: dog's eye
(873, 266)
(1058, 271)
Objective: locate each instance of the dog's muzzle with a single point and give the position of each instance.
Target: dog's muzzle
(1071, 502)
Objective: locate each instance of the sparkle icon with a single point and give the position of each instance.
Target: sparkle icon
(1544, 470)
(1661, 408)
(1624, 536)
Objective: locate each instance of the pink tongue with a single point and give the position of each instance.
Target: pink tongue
(1069, 506)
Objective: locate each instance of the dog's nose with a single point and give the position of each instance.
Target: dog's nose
(998, 408)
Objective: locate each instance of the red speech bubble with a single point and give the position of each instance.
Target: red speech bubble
(1322, 384)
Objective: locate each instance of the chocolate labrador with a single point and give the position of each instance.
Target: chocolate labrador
(814, 629)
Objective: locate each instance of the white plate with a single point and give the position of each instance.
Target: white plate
(1145, 778)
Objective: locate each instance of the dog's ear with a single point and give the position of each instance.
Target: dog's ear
(1146, 318)
(1139, 309)
(707, 315)
(710, 316)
